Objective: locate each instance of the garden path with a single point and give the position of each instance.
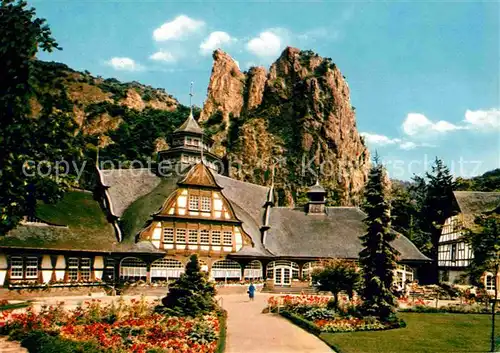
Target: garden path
(250, 331)
(11, 347)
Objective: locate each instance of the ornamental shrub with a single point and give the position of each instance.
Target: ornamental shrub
(192, 294)
(41, 342)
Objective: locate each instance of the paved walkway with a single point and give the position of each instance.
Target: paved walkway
(250, 331)
(11, 347)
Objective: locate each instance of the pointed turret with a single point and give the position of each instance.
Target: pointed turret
(317, 201)
(188, 146)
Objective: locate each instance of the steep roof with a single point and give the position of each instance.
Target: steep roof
(473, 203)
(335, 234)
(124, 186)
(200, 175)
(190, 125)
(81, 225)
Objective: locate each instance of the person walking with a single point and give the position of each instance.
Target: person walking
(251, 291)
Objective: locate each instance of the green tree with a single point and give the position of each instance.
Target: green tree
(438, 205)
(484, 240)
(192, 294)
(378, 257)
(336, 276)
(23, 137)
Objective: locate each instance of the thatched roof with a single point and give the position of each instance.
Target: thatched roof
(474, 203)
(294, 233)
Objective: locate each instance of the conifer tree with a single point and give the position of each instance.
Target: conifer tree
(378, 257)
(192, 294)
(438, 206)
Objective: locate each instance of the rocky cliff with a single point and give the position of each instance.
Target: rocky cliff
(297, 117)
(91, 100)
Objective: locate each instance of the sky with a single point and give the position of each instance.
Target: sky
(424, 76)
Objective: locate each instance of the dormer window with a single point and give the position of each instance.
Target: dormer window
(194, 203)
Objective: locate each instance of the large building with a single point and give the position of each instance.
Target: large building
(455, 254)
(140, 224)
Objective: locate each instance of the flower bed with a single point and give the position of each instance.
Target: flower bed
(316, 314)
(118, 327)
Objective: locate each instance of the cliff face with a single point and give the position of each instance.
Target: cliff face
(298, 117)
(91, 98)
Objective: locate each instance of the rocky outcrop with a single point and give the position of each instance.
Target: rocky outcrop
(225, 92)
(298, 118)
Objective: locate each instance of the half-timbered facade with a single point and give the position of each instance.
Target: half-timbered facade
(454, 253)
(142, 224)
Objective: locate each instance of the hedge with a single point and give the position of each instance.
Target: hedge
(301, 322)
(42, 342)
(221, 345)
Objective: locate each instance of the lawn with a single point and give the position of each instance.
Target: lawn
(425, 333)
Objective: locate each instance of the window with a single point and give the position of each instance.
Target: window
(85, 269)
(193, 203)
(228, 238)
(489, 282)
(109, 271)
(73, 269)
(204, 237)
(16, 267)
(453, 250)
(180, 236)
(31, 267)
(189, 141)
(133, 268)
(193, 236)
(205, 204)
(216, 237)
(168, 235)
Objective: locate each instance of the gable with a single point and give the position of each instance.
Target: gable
(200, 175)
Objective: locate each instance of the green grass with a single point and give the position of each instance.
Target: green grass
(14, 306)
(425, 333)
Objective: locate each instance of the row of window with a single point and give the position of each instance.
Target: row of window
(197, 236)
(197, 203)
(78, 269)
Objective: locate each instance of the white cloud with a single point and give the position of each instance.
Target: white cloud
(380, 140)
(214, 41)
(164, 56)
(416, 124)
(124, 64)
(267, 44)
(483, 119)
(177, 29)
(408, 145)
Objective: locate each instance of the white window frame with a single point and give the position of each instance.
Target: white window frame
(16, 267)
(194, 203)
(73, 265)
(489, 282)
(168, 235)
(204, 237)
(85, 269)
(180, 235)
(31, 271)
(191, 232)
(216, 237)
(227, 238)
(206, 204)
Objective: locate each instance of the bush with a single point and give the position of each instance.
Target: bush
(450, 308)
(41, 342)
(319, 314)
(192, 294)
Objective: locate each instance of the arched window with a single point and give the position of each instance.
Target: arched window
(489, 282)
(282, 271)
(253, 270)
(133, 268)
(308, 268)
(226, 269)
(166, 268)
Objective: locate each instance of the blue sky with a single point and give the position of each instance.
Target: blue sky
(424, 76)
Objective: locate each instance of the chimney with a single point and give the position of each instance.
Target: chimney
(316, 204)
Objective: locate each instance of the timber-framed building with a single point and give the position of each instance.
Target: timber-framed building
(139, 225)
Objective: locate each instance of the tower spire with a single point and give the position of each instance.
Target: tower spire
(191, 98)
